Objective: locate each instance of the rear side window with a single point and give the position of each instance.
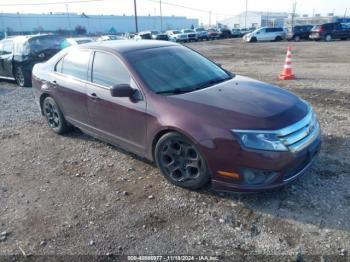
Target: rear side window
(7, 47)
(107, 70)
(75, 64)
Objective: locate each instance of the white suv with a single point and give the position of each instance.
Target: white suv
(265, 34)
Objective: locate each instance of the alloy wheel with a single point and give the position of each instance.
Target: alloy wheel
(180, 161)
(52, 115)
(19, 77)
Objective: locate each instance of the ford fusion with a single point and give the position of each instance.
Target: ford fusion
(169, 104)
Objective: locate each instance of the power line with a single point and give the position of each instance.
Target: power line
(190, 8)
(53, 3)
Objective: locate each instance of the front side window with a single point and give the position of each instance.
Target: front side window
(175, 69)
(107, 70)
(75, 64)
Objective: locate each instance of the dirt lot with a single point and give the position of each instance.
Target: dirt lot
(73, 194)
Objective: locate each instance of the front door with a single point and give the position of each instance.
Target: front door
(120, 120)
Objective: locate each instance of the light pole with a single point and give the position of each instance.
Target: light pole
(68, 17)
(161, 15)
(136, 25)
(246, 13)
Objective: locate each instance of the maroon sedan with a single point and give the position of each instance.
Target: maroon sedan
(169, 104)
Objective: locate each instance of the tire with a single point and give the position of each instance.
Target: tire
(253, 40)
(296, 38)
(181, 162)
(278, 39)
(328, 38)
(22, 77)
(54, 116)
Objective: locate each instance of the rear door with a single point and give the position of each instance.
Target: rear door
(69, 86)
(120, 120)
(6, 58)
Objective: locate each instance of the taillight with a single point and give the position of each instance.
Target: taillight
(320, 29)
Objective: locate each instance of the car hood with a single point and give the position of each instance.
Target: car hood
(242, 103)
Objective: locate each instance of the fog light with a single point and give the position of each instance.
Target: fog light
(257, 177)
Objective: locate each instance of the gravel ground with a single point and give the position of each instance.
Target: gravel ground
(73, 194)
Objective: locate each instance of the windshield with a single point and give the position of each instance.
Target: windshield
(200, 29)
(49, 42)
(176, 32)
(174, 70)
(188, 31)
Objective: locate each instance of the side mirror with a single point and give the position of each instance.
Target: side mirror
(122, 90)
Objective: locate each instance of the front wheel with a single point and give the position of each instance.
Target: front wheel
(278, 39)
(328, 38)
(54, 116)
(253, 40)
(181, 162)
(22, 77)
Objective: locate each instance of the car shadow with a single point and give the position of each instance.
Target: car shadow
(320, 198)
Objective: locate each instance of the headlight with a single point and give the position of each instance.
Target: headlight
(260, 141)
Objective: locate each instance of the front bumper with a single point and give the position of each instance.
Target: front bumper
(288, 169)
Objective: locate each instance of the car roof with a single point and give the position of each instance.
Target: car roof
(124, 46)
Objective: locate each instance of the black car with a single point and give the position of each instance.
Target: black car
(299, 32)
(225, 33)
(19, 54)
(330, 31)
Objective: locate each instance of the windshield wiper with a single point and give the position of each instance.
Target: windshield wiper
(194, 88)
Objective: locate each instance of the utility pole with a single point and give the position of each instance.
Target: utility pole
(136, 25)
(246, 13)
(68, 17)
(161, 15)
(346, 10)
(210, 18)
(293, 12)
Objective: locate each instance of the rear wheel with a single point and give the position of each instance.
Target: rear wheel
(22, 77)
(54, 116)
(181, 162)
(296, 38)
(278, 39)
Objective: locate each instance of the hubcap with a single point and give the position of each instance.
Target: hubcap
(181, 161)
(51, 114)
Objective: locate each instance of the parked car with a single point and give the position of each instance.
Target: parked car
(171, 105)
(236, 32)
(109, 37)
(265, 34)
(245, 31)
(213, 33)
(299, 32)
(191, 34)
(202, 33)
(330, 31)
(156, 35)
(176, 36)
(225, 33)
(79, 40)
(19, 54)
(143, 35)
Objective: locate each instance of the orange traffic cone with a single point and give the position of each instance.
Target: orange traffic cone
(287, 72)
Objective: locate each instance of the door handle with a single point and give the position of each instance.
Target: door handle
(93, 96)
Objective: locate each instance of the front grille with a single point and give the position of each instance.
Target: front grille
(301, 134)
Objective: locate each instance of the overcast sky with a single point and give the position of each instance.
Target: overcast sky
(220, 8)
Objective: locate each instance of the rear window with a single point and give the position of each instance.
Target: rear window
(50, 42)
(75, 64)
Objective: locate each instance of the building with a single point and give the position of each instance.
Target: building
(317, 19)
(253, 19)
(92, 24)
